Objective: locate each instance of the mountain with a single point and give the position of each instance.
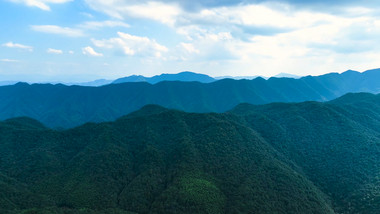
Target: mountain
(305, 157)
(336, 144)
(280, 75)
(183, 76)
(2, 83)
(133, 78)
(95, 83)
(155, 161)
(286, 75)
(239, 77)
(69, 106)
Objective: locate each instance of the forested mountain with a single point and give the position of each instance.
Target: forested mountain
(152, 161)
(185, 76)
(336, 144)
(68, 106)
(277, 158)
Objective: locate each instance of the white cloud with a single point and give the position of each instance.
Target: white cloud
(358, 11)
(88, 15)
(20, 46)
(96, 25)
(188, 47)
(262, 15)
(161, 12)
(207, 46)
(313, 43)
(244, 21)
(8, 60)
(41, 4)
(268, 37)
(71, 52)
(303, 31)
(54, 29)
(90, 51)
(128, 44)
(79, 31)
(155, 10)
(174, 14)
(54, 51)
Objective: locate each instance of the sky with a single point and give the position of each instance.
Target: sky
(84, 40)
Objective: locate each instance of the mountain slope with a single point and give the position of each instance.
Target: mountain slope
(156, 161)
(336, 144)
(69, 106)
(305, 157)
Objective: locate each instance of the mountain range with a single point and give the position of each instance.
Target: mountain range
(2, 83)
(185, 76)
(308, 157)
(68, 106)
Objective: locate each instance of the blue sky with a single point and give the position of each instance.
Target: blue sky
(83, 40)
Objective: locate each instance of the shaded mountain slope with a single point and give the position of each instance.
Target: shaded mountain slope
(305, 157)
(336, 144)
(163, 162)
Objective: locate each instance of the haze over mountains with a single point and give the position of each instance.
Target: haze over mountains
(277, 158)
(185, 76)
(69, 106)
(182, 76)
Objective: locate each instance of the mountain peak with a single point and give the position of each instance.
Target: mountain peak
(350, 98)
(351, 72)
(21, 84)
(287, 75)
(147, 110)
(24, 123)
(185, 76)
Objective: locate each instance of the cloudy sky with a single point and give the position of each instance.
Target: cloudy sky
(80, 40)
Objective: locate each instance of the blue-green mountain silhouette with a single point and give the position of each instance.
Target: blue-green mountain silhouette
(69, 106)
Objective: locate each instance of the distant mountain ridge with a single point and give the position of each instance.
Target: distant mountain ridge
(69, 106)
(185, 76)
(239, 77)
(286, 75)
(95, 83)
(3, 83)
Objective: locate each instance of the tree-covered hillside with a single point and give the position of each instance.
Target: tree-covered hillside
(336, 145)
(70, 106)
(277, 158)
(164, 162)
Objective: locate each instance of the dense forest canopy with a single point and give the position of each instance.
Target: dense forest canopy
(306, 157)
